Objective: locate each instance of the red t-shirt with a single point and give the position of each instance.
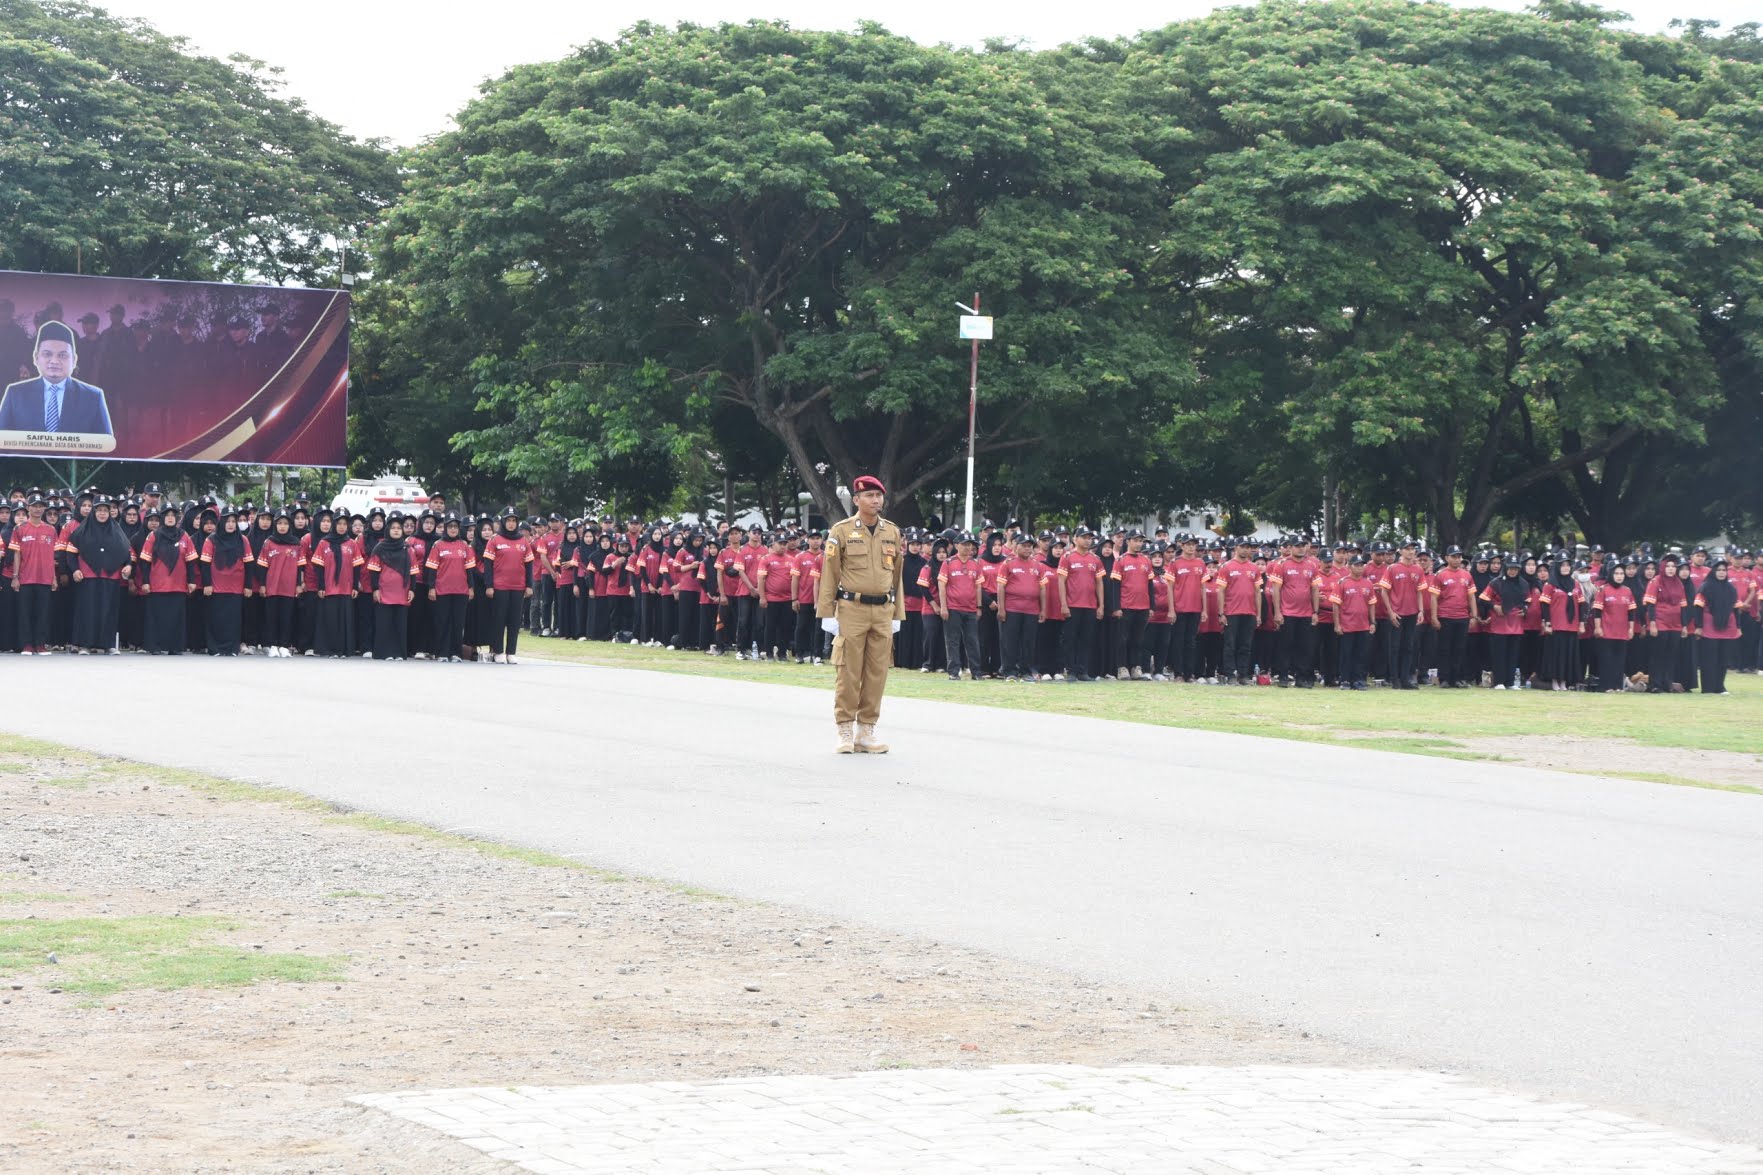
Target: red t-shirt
(1355, 601)
(1190, 583)
(1211, 619)
(1160, 599)
(808, 564)
(1507, 623)
(1327, 580)
(1240, 579)
(1666, 595)
(750, 557)
(33, 550)
(321, 576)
(1082, 572)
(552, 546)
(960, 580)
(1133, 573)
(449, 562)
(1613, 604)
(1555, 605)
(508, 558)
(684, 565)
(1022, 579)
(728, 565)
(393, 586)
(1453, 587)
(1730, 631)
(988, 576)
(1404, 581)
(777, 586)
(1294, 577)
(281, 568)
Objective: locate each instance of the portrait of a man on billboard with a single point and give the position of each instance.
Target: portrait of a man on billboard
(55, 402)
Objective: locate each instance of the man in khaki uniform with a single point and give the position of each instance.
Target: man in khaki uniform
(862, 603)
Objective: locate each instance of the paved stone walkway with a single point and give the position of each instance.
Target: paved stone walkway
(1059, 1120)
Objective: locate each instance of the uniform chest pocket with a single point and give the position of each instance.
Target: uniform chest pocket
(890, 551)
(857, 551)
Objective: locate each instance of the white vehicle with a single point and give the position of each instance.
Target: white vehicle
(365, 495)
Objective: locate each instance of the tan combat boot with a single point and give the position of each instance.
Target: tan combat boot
(847, 737)
(867, 743)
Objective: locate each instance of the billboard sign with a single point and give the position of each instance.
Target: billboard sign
(136, 370)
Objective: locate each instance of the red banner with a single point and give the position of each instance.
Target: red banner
(173, 371)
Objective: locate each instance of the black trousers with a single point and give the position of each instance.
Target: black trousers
(1129, 638)
(278, 621)
(1354, 647)
(780, 627)
(1716, 658)
(447, 617)
(505, 609)
(224, 615)
(1295, 649)
(97, 605)
(1748, 642)
(1612, 660)
(737, 623)
(1080, 642)
(1503, 657)
(1403, 650)
(961, 642)
(391, 630)
(930, 644)
(1453, 651)
(35, 604)
(1158, 639)
(989, 643)
(1017, 637)
(1185, 645)
(1049, 640)
(1328, 653)
(1239, 647)
(1669, 661)
(808, 633)
(685, 629)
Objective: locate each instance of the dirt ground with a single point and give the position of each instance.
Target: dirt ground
(1570, 752)
(465, 969)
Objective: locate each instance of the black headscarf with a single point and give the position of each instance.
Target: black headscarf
(229, 549)
(281, 538)
(573, 549)
(260, 534)
(103, 546)
(1512, 587)
(1720, 596)
(334, 538)
(165, 546)
(393, 554)
(1561, 579)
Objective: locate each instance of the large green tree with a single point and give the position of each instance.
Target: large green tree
(1490, 242)
(779, 221)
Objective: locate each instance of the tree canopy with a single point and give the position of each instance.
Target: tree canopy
(1454, 264)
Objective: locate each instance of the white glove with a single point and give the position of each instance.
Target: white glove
(831, 625)
(896, 628)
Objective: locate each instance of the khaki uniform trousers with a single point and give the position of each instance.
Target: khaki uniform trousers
(862, 653)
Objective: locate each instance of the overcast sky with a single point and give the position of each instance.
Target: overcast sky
(400, 70)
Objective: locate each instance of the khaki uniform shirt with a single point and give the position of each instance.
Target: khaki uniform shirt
(864, 562)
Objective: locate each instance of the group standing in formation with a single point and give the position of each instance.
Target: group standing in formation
(96, 574)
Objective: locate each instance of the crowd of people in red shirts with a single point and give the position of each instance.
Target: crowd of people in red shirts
(97, 575)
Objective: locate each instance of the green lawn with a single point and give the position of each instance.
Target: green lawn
(1428, 721)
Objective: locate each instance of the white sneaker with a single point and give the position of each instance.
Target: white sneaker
(311, 652)
(740, 656)
(364, 656)
(498, 659)
(27, 653)
(510, 660)
(1499, 687)
(1046, 677)
(817, 660)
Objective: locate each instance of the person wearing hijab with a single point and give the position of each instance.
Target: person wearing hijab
(101, 557)
(566, 563)
(280, 561)
(1640, 646)
(1508, 597)
(251, 623)
(682, 571)
(1664, 604)
(165, 569)
(196, 604)
(447, 580)
(131, 615)
(223, 565)
(509, 585)
(1718, 601)
(389, 578)
(619, 581)
(1530, 642)
(373, 530)
(477, 607)
(331, 569)
(1559, 603)
(990, 643)
(419, 536)
(1612, 625)
(709, 594)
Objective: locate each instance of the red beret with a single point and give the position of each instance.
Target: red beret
(867, 482)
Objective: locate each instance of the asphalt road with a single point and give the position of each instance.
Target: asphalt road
(1590, 939)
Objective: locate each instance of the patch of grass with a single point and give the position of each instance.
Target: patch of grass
(1675, 780)
(102, 956)
(896, 1064)
(353, 893)
(26, 895)
(1326, 716)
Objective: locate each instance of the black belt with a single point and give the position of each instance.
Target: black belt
(876, 600)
